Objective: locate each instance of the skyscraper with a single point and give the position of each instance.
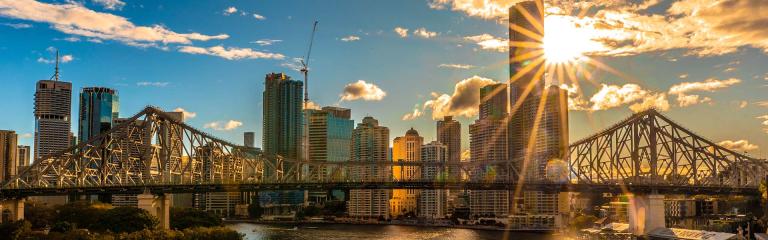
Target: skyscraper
(330, 137)
(433, 203)
(488, 143)
(8, 155)
(538, 133)
(99, 107)
(370, 144)
(249, 139)
(53, 104)
(406, 148)
(449, 134)
(282, 132)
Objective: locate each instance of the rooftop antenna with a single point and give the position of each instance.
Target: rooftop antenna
(56, 73)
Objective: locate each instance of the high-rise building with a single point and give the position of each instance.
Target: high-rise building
(329, 137)
(99, 107)
(538, 133)
(370, 144)
(25, 152)
(449, 134)
(433, 203)
(53, 106)
(8, 155)
(488, 143)
(408, 149)
(282, 132)
(249, 139)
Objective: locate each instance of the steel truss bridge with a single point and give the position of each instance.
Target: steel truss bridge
(156, 152)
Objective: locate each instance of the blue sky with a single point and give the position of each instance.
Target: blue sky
(165, 66)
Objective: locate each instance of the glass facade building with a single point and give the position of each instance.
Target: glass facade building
(98, 110)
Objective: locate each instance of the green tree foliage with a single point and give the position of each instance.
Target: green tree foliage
(81, 214)
(15, 230)
(125, 219)
(39, 215)
(218, 233)
(183, 218)
(62, 226)
(254, 209)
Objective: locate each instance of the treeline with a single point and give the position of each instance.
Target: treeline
(97, 221)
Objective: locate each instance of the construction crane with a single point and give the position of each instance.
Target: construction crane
(305, 66)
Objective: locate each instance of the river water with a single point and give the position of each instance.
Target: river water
(379, 232)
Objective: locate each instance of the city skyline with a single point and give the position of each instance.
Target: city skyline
(721, 81)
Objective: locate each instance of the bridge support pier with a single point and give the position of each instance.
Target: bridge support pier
(12, 210)
(646, 213)
(159, 206)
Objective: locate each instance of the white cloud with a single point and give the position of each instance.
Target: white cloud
(738, 146)
(186, 114)
(762, 103)
(402, 32)
(362, 90)
(152, 84)
(294, 64)
(413, 115)
(75, 19)
(312, 105)
(683, 76)
(63, 59)
(26, 135)
(223, 126)
(230, 53)
(462, 102)
(350, 38)
(17, 25)
(110, 4)
(266, 42)
(489, 42)
(259, 17)
(424, 33)
(743, 104)
(611, 96)
(456, 66)
(682, 90)
(765, 122)
(229, 11)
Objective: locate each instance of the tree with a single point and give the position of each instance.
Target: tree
(311, 211)
(39, 215)
(81, 214)
(254, 209)
(183, 218)
(61, 227)
(15, 230)
(126, 219)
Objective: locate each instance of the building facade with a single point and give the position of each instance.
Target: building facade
(25, 152)
(449, 134)
(249, 139)
(433, 203)
(370, 144)
(53, 106)
(282, 133)
(538, 122)
(488, 143)
(9, 156)
(329, 140)
(99, 108)
(408, 149)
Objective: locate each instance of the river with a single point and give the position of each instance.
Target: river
(366, 232)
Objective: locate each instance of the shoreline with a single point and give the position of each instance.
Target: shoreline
(474, 227)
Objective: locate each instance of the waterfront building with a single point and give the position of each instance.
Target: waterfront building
(449, 134)
(329, 140)
(433, 203)
(282, 134)
(99, 107)
(370, 144)
(407, 149)
(53, 106)
(8, 155)
(488, 143)
(537, 137)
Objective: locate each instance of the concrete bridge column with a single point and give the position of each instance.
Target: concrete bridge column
(646, 213)
(159, 206)
(12, 210)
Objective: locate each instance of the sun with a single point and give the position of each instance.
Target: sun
(564, 41)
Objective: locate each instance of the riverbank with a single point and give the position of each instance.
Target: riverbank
(391, 223)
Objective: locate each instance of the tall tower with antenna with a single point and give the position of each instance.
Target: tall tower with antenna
(53, 106)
